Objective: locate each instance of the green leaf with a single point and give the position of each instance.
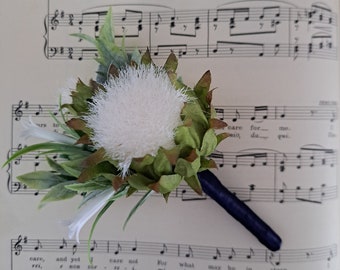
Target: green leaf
(97, 170)
(186, 168)
(171, 63)
(80, 97)
(73, 167)
(209, 143)
(139, 204)
(207, 164)
(135, 56)
(40, 179)
(84, 37)
(162, 164)
(57, 167)
(94, 224)
(194, 183)
(146, 58)
(106, 31)
(139, 181)
(187, 137)
(67, 149)
(99, 183)
(220, 137)
(144, 166)
(57, 193)
(193, 110)
(202, 88)
(166, 183)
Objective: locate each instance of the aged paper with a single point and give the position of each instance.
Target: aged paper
(276, 71)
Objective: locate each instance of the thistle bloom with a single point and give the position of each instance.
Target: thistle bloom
(136, 115)
(87, 211)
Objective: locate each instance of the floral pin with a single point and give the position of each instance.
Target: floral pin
(137, 128)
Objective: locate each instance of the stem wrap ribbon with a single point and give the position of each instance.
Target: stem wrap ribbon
(239, 210)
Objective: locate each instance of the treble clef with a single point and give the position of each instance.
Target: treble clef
(18, 246)
(18, 112)
(54, 20)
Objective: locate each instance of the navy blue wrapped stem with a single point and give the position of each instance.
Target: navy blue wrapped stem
(239, 210)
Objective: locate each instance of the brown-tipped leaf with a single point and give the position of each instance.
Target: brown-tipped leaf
(146, 58)
(113, 71)
(171, 63)
(117, 182)
(94, 158)
(217, 123)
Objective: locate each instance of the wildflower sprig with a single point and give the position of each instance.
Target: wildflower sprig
(136, 128)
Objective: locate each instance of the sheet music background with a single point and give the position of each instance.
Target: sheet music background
(275, 66)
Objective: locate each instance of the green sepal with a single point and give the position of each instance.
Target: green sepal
(80, 97)
(161, 164)
(188, 168)
(187, 137)
(202, 88)
(57, 193)
(194, 183)
(221, 136)
(166, 196)
(193, 110)
(146, 58)
(139, 181)
(166, 183)
(171, 63)
(209, 143)
(177, 83)
(41, 179)
(97, 170)
(207, 164)
(144, 166)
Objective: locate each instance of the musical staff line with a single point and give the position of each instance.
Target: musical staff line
(224, 112)
(208, 33)
(255, 255)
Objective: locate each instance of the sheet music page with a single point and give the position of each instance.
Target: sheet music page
(275, 67)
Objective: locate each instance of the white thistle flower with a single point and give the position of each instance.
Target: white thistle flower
(136, 115)
(87, 211)
(34, 131)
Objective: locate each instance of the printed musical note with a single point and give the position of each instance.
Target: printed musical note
(251, 254)
(242, 21)
(232, 254)
(217, 255)
(38, 245)
(238, 48)
(63, 245)
(189, 253)
(282, 191)
(94, 245)
(164, 249)
(118, 249)
(133, 24)
(171, 250)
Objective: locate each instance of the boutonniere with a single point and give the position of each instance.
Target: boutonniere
(136, 128)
